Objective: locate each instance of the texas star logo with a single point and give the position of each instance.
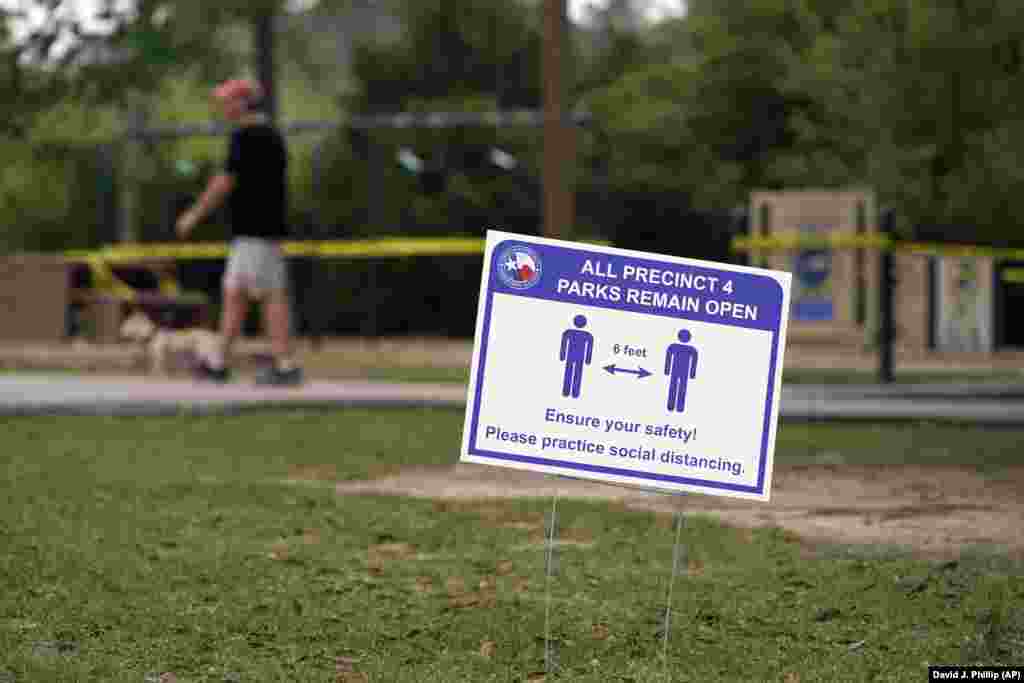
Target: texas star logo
(519, 267)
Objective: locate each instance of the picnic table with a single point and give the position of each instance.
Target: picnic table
(105, 294)
(45, 297)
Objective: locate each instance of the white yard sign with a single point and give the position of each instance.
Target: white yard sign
(626, 367)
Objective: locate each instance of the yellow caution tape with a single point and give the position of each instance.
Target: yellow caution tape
(1013, 276)
(839, 240)
(168, 285)
(104, 280)
(376, 248)
(793, 240)
(387, 247)
(962, 251)
(393, 247)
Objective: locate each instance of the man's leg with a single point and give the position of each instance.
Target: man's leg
(277, 320)
(278, 317)
(215, 366)
(236, 305)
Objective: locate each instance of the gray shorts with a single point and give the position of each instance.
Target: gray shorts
(256, 266)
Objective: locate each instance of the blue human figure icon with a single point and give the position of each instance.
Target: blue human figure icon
(577, 351)
(681, 367)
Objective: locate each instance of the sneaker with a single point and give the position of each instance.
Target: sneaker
(210, 374)
(280, 378)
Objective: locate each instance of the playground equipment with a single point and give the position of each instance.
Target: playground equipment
(857, 285)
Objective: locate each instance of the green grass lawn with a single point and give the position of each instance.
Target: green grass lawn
(460, 374)
(130, 546)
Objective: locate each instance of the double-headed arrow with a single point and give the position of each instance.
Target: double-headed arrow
(641, 373)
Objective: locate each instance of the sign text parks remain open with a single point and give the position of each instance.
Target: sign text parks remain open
(626, 367)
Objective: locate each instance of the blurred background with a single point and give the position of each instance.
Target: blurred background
(674, 113)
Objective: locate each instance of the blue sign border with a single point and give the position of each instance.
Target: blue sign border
(472, 448)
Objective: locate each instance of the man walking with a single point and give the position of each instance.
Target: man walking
(254, 182)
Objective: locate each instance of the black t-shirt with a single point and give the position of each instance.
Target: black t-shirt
(258, 159)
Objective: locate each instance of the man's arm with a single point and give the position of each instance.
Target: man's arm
(217, 190)
(693, 365)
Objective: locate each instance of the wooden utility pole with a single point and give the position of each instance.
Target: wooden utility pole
(559, 141)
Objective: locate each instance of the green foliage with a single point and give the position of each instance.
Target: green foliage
(928, 94)
(921, 100)
(648, 115)
(65, 88)
(36, 195)
(452, 50)
(724, 114)
(451, 57)
(52, 183)
(131, 52)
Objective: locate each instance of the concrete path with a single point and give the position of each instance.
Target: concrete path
(989, 405)
(997, 404)
(40, 394)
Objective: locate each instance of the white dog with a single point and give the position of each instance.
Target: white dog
(161, 344)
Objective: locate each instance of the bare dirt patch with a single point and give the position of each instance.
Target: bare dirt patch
(934, 510)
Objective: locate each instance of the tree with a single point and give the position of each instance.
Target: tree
(452, 49)
(928, 94)
(66, 83)
(748, 105)
(105, 57)
(450, 56)
(921, 99)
